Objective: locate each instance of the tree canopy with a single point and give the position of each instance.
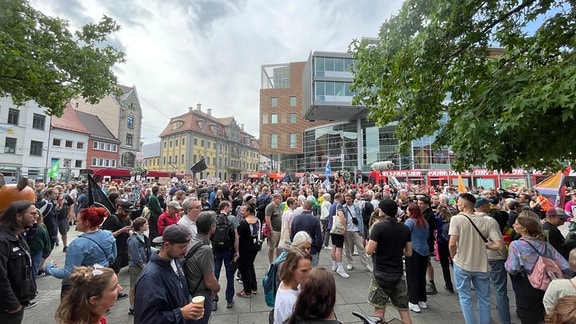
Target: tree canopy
(504, 71)
(41, 60)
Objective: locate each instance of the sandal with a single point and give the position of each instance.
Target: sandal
(243, 294)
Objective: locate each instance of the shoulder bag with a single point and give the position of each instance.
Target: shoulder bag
(337, 226)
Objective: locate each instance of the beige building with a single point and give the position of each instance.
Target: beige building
(229, 152)
(122, 115)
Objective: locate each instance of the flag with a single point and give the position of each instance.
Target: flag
(328, 174)
(395, 182)
(96, 196)
(200, 166)
(55, 170)
(461, 185)
(7, 128)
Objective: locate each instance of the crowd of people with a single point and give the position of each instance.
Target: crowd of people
(174, 240)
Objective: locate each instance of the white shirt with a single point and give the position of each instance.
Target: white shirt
(191, 226)
(284, 304)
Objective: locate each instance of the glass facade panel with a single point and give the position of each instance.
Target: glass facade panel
(332, 92)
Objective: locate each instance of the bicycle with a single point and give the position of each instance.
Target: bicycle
(369, 319)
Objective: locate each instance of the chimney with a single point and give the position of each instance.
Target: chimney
(190, 109)
(209, 111)
(242, 127)
(199, 107)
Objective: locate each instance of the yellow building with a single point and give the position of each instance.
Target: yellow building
(229, 152)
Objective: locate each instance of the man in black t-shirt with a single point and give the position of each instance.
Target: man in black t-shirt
(389, 282)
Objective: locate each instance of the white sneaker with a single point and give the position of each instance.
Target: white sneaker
(414, 307)
(349, 267)
(328, 247)
(369, 268)
(355, 253)
(343, 274)
(334, 267)
(422, 305)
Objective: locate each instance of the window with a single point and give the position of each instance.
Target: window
(207, 144)
(274, 141)
(108, 147)
(292, 101)
(207, 160)
(293, 118)
(36, 148)
(130, 122)
(78, 164)
(69, 144)
(274, 102)
(195, 141)
(182, 161)
(38, 121)
(56, 142)
(274, 119)
(202, 143)
(164, 144)
(182, 141)
(80, 145)
(94, 162)
(170, 144)
(95, 145)
(264, 119)
(13, 116)
(292, 139)
(175, 142)
(10, 145)
(67, 163)
(129, 139)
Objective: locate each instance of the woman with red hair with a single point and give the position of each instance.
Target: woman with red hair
(94, 246)
(417, 264)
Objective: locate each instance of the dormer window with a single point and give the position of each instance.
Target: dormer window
(201, 123)
(177, 124)
(214, 128)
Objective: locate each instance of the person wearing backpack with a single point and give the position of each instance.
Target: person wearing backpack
(225, 249)
(199, 264)
(523, 256)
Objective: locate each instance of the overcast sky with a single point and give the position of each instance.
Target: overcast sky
(183, 52)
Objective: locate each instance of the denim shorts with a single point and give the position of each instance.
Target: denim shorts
(378, 297)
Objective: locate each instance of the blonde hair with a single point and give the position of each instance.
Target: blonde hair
(87, 282)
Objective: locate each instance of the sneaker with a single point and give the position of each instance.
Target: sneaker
(328, 247)
(131, 311)
(414, 307)
(369, 268)
(40, 273)
(254, 292)
(243, 294)
(342, 273)
(334, 267)
(349, 267)
(122, 296)
(422, 305)
(449, 289)
(65, 249)
(355, 253)
(32, 304)
(230, 304)
(214, 306)
(431, 289)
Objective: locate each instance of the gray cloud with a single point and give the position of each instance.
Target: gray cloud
(203, 14)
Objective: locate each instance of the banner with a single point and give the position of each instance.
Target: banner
(328, 174)
(55, 170)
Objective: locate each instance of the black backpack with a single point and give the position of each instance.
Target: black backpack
(261, 204)
(223, 237)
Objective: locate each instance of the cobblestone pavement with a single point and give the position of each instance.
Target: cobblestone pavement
(352, 296)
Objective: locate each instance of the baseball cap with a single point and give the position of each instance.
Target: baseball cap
(558, 212)
(174, 204)
(174, 234)
(481, 202)
(128, 206)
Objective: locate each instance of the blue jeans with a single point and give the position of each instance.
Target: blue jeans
(36, 259)
(481, 282)
(499, 278)
(225, 257)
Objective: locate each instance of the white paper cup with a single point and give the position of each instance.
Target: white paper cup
(198, 300)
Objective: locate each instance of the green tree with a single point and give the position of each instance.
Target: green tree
(41, 60)
(504, 71)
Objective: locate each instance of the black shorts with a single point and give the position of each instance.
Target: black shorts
(337, 240)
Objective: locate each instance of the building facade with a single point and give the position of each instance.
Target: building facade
(24, 135)
(229, 152)
(122, 115)
(282, 124)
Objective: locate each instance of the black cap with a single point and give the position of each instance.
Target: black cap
(128, 206)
